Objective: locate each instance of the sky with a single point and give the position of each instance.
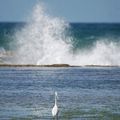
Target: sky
(70, 10)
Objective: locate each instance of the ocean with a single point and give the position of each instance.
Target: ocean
(89, 90)
(87, 93)
(97, 41)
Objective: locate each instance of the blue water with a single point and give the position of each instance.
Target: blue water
(84, 34)
(85, 93)
(21, 42)
(27, 93)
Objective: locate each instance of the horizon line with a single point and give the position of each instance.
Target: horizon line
(68, 22)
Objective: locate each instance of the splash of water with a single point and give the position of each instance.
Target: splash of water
(103, 53)
(43, 41)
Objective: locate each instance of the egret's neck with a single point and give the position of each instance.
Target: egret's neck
(55, 100)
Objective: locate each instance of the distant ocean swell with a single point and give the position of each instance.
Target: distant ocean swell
(50, 40)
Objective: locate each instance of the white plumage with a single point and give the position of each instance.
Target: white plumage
(55, 108)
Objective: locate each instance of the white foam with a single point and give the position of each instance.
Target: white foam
(102, 53)
(43, 41)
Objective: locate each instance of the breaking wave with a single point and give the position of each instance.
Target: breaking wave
(44, 40)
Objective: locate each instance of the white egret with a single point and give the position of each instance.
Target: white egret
(55, 108)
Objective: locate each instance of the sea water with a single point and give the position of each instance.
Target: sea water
(83, 93)
(97, 41)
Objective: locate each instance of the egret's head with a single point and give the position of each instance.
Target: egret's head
(56, 94)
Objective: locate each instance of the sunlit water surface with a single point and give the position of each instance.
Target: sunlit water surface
(27, 93)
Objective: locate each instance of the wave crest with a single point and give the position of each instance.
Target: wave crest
(44, 41)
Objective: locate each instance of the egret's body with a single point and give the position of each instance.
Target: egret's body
(55, 108)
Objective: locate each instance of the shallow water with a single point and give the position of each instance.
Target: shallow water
(27, 93)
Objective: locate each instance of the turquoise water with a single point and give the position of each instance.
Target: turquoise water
(27, 93)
